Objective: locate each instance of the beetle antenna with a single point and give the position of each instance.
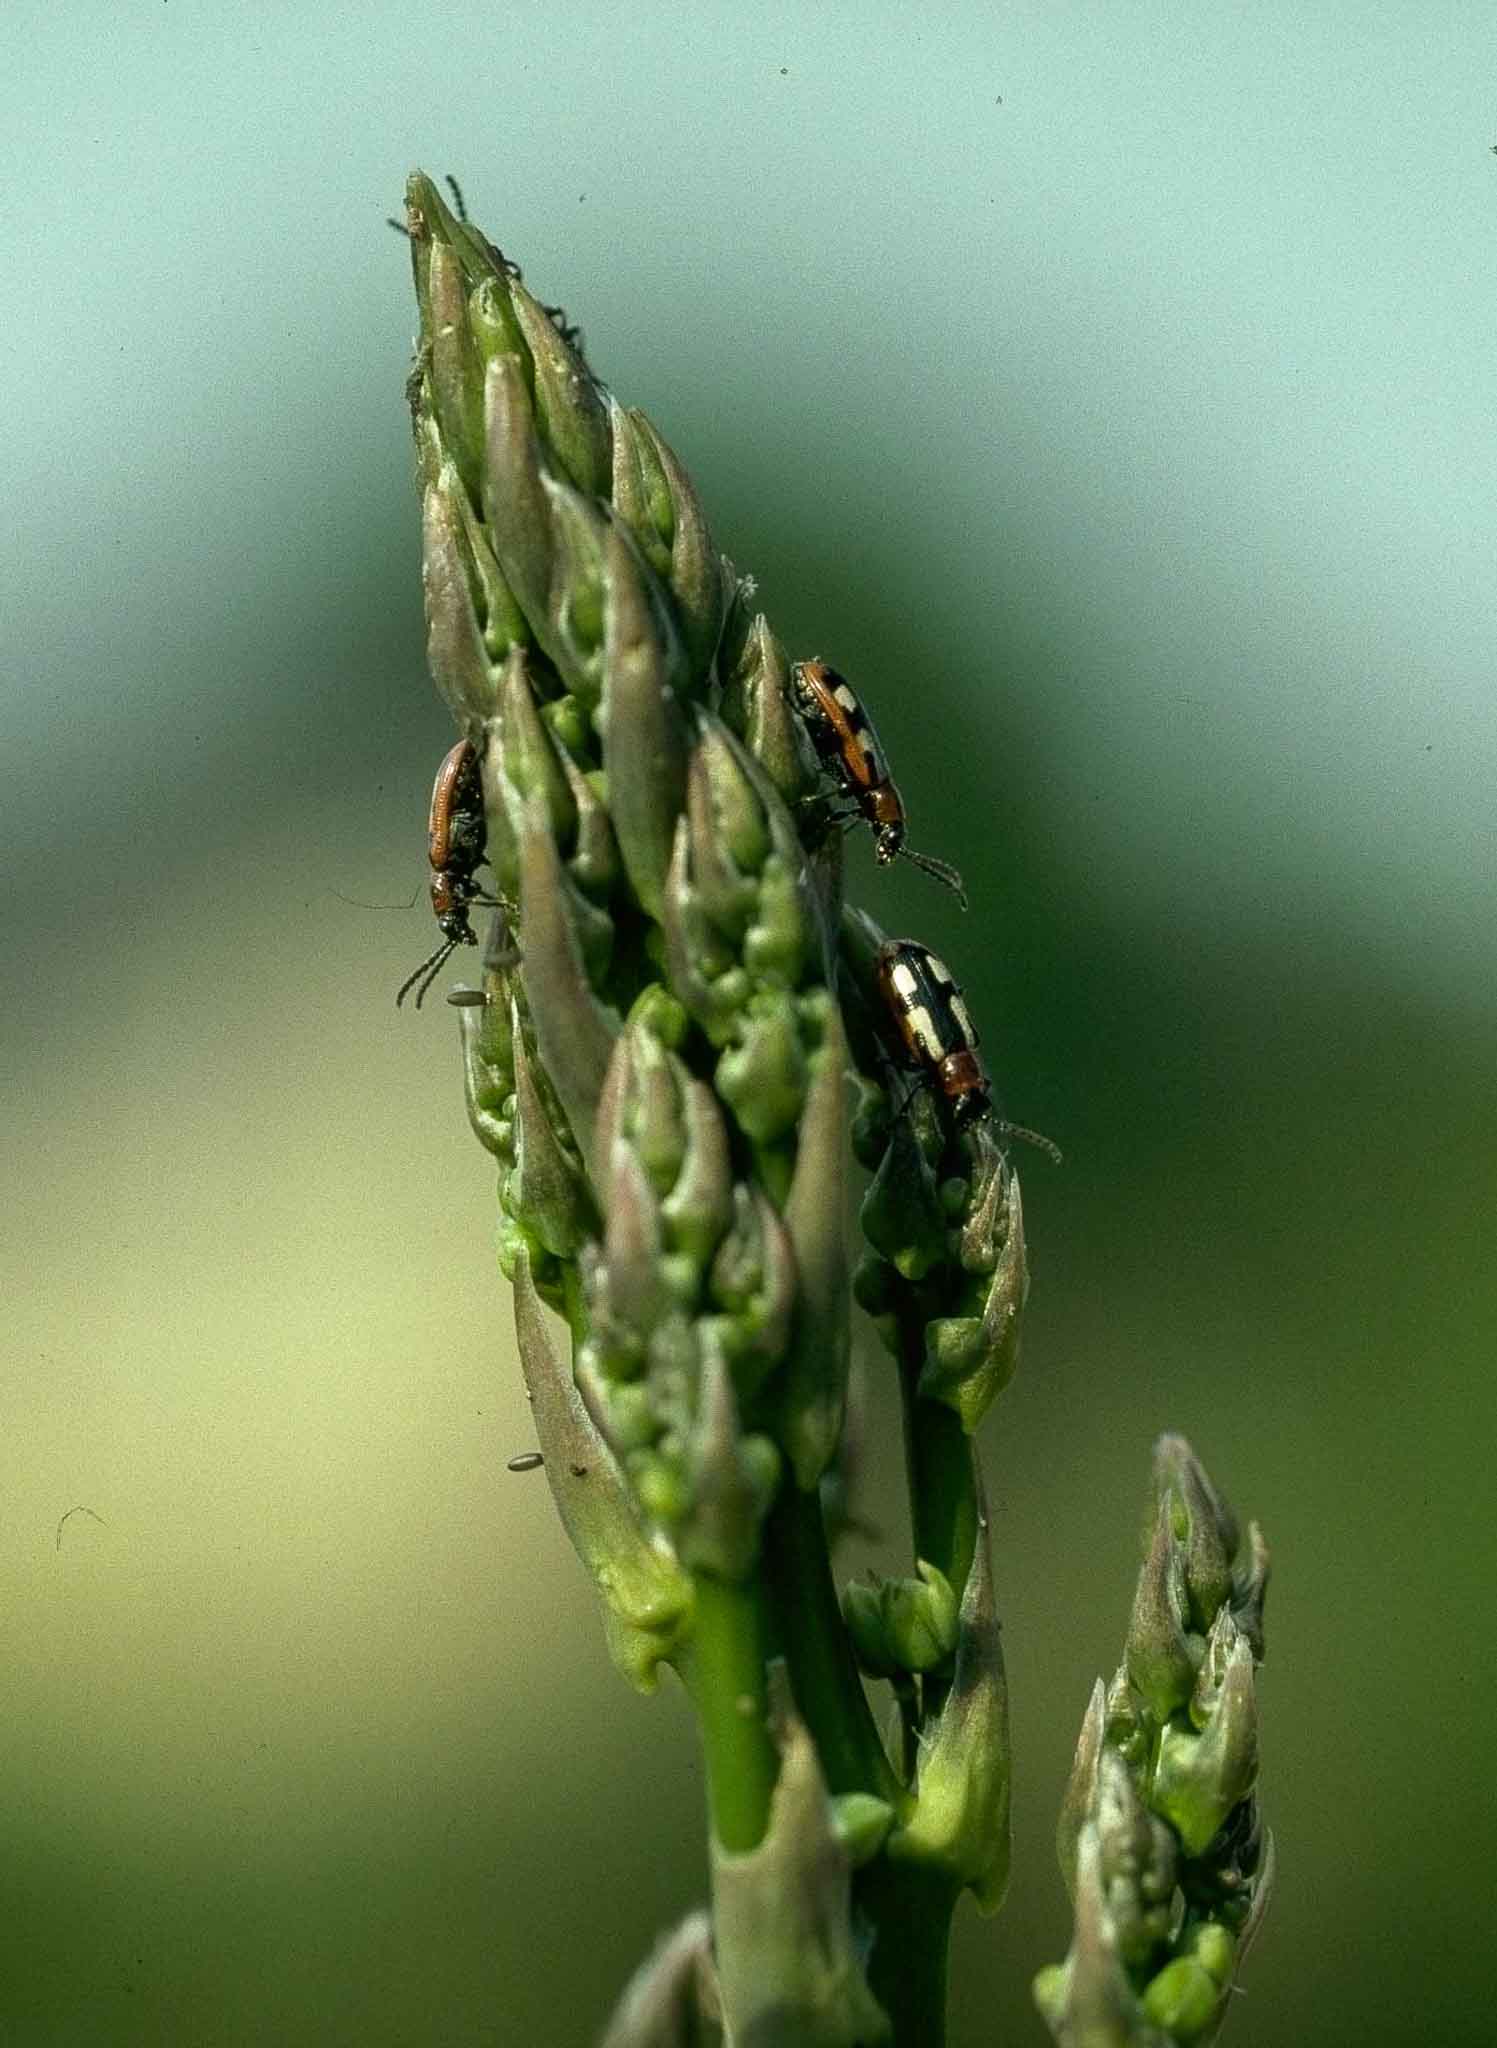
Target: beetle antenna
(1036, 1138)
(437, 965)
(435, 962)
(398, 225)
(942, 871)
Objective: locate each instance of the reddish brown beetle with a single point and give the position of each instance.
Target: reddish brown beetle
(455, 843)
(848, 747)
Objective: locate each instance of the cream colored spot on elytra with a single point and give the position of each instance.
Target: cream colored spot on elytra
(923, 1032)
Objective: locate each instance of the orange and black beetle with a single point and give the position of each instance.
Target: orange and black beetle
(848, 748)
(455, 843)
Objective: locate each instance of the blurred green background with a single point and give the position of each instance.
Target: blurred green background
(1109, 389)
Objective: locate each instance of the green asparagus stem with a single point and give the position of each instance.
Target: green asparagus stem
(672, 1004)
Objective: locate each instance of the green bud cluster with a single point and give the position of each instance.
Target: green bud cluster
(658, 1060)
(528, 469)
(661, 1080)
(902, 1624)
(1160, 1839)
(958, 1824)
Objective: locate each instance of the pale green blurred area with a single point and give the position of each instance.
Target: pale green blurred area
(1110, 390)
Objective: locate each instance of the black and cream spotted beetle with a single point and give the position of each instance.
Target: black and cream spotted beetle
(933, 1028)
(455, 844)
(848, 747)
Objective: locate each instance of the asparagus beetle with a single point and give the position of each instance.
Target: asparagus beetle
(848, 747)
(933, 1026)
(936, 1036)
(455, 843)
